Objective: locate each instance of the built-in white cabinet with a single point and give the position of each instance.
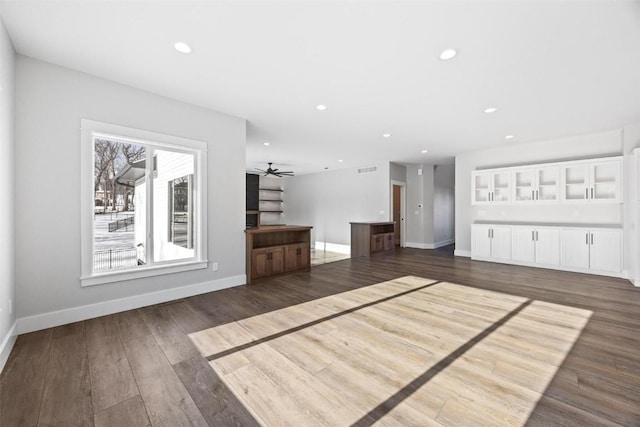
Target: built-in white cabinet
(536, 245)
(491, 241)
(595, 181)
(491, 187)
(583, 181)
(584, 249)
(536, 184)
(592, 249)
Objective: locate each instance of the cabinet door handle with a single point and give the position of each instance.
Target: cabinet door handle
(591, 193)
(537, 194)
(587, 235)
(592, 238)
(489, 233)
(586, 193)
(492, 233)
(536, 235)
(533, 233)
(533, 195)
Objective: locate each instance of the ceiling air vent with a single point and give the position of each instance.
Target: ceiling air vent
(368, 169)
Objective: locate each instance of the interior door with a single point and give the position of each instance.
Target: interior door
(397, 213)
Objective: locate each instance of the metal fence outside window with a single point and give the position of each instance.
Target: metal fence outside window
(115, 258)
(121, 223)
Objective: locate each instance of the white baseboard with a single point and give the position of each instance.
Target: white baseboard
(429, 245)
(442, 243)
(332, 247)
(460, 252)
(7, 345)
(417, 245)
(76, 314)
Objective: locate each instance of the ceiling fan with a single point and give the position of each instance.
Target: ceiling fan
(275, 172)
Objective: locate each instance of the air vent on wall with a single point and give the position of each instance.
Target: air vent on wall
(368, 169)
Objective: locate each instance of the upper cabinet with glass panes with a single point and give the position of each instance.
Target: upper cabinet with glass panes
(592, 181)
(539, 184)
(581, 181)
(491, 187)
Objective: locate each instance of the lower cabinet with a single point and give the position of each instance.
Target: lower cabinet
(278, 259)
(382, 242)
(491, 241)
(536, 244)
(268, 261)
(594, 249)
(297, 257)
(583, 249)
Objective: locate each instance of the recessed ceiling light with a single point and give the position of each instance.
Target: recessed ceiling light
(321, 107)
(490, 110)
(509, 137)
(386, 135)
(425, 151)
(266, 143)
(340, 161)
(182, 47)
(448, 54)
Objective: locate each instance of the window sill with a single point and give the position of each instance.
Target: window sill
(140, 273)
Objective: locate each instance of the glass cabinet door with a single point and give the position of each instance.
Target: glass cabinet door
(501, 187)
(524, 185)
(605, 181)
(548, 184)
(481, 189)
(575, 181)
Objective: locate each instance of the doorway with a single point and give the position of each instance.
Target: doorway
(397, 209)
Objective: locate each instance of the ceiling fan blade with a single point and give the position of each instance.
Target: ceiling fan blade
(260, 170)
(285, 172)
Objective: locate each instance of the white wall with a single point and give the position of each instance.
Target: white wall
(397, 172)
(7, 190)
(329, 200)
(50, 103)
(630, 141)
(578, 147)
(444, 204)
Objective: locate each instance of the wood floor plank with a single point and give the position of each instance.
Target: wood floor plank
(268, 402)
(216, 402)
(67, 390)
(186, 318)
(175, 344)
(23, 378)
(129, 413)
(112, 381)
(165, 397)
(130, 325)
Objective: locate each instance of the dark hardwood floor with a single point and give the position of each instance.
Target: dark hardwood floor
(142, 367)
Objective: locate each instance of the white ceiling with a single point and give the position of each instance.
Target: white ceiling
(552, 68)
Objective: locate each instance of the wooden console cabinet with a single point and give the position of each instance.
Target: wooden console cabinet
(370, 237)
(277, 249)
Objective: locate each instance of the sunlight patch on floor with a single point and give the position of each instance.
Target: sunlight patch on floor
(406, 351)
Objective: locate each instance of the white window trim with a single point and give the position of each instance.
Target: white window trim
(90, 129)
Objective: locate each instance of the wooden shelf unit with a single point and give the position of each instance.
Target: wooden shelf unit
(277, 249)
(371, 237)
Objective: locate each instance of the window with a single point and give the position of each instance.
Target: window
(143, 201)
